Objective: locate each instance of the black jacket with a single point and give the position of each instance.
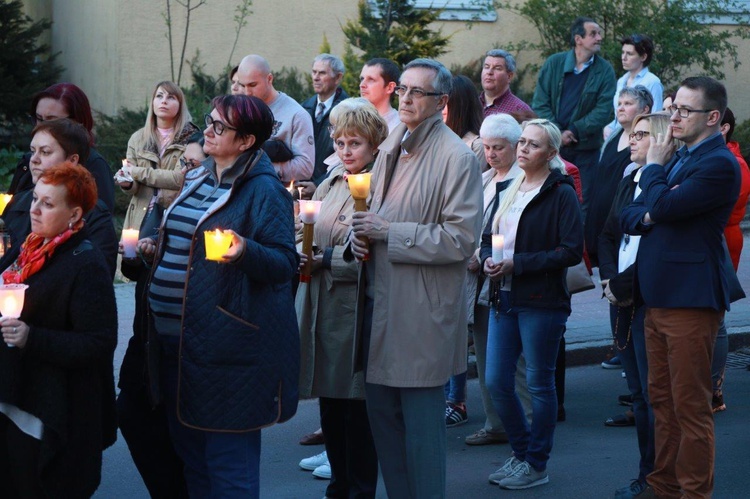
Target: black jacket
(549, 239)
(63, 375)
(621, 283)
(323, 141)
(100, 229)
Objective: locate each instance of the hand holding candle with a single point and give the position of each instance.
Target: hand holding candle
(359, 187)
(11, 305)
(129, 243)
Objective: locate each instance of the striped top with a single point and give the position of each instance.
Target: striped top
(167, 290)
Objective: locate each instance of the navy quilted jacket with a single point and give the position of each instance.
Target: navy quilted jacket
(239, 348)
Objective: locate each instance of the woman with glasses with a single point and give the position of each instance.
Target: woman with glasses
(539, 217)
(225, 332)
(144, 424)
(152, 172)
(637, 52)
(615, 157)
(617, 254)
(65, 100)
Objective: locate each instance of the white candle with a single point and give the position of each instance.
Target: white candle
(309, 211)
(11, 300)
(129, 242)
(498, 244)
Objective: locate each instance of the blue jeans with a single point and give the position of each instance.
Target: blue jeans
(217, 464)
(630, 345)
(455, 389)
(536, 333)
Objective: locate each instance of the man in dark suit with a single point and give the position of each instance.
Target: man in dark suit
(681, 213)
(327, 72)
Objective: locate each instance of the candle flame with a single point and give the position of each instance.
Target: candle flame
(291, 188)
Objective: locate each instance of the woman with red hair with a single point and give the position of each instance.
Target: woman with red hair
(65, 100)
(57, 387)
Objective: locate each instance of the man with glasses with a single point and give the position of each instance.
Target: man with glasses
(575, 91)
(423, 224)
(291, 146)
(685, 203)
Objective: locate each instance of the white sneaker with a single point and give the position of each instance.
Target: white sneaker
(524, 477)
(311, 463)
(323, 471)
(505, 471)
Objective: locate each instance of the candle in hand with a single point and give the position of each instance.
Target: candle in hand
(498, 244)
(129, 242)
(217, 244)
(11, 300)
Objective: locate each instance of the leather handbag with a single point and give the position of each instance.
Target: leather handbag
(579, 279)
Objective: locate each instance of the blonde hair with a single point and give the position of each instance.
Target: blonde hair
(554, 140)
(359, 118)
(658, 124)
(150, 132)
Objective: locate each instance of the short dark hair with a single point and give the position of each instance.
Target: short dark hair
(643, 45)
(714, 92)
(249, 115)
(464, 109)
(388, 69)
(71, 135)
(729, 120)
(578, 28)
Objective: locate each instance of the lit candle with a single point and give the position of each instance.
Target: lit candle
(308, 215)
(291, 188)
(359, 186)
(4, 200)
(11, 300)
(217, 244)
(309, 211)
(129, 242)
(124, 163)
(498, 244)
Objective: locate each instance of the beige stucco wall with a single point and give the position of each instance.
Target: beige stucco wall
(116, 50)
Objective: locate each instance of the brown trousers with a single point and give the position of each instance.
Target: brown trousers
(680, 343)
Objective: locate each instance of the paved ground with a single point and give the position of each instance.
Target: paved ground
(589, 460)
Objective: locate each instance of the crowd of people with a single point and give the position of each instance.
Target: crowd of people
(480, 207)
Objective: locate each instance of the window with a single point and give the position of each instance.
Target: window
(456, 10)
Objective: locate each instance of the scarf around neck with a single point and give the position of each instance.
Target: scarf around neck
(35, 253)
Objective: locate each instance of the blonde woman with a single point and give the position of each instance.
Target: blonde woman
(539, 215)
(153, 159)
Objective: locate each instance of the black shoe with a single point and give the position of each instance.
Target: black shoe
(626, 400)
(560, 413)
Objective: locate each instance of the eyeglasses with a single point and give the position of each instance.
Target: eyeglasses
(189, 164)
(638, 135)
(417, 93)
(685, 112)
(219, 126)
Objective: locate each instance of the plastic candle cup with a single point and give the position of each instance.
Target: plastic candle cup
(217, 244)
(129, 242)
(498, 244)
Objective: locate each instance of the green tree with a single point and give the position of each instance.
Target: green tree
(685, 42)
(26, 67)
(395, 29)
(352, 68)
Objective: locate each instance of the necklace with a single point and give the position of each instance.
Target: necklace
(531, 186)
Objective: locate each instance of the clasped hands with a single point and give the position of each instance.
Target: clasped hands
(496, 271)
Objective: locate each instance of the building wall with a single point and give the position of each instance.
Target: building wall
(116, 50)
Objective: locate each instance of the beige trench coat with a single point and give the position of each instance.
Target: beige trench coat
(418, 334)
(151, 172)
(326, 306)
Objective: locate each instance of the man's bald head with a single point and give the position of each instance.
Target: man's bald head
(255, 78)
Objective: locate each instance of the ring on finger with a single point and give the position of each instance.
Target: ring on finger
(15, 330)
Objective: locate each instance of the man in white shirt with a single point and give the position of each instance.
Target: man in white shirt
(377, 82)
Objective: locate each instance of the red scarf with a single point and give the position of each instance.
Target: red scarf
(35, 253)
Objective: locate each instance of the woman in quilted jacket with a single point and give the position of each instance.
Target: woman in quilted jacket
(226, 331)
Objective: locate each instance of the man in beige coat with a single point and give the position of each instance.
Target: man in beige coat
(423, 223)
